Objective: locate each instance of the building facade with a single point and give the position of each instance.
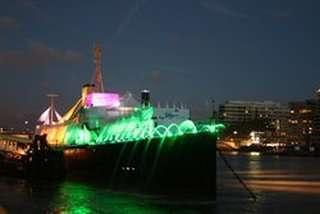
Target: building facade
(236, 113)
(301, 121)
(315, 136)
(304, 122)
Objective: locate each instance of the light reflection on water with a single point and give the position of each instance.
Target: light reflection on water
(282, 185)
(79, 198)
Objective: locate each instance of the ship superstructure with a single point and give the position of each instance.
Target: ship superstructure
(100, 117)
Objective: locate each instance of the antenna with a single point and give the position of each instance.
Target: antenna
(97, 79)
(52, 110)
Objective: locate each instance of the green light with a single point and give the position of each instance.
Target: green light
(77, 135)
(138, 126)
(188, 127)
(135, 127)
(73, 198)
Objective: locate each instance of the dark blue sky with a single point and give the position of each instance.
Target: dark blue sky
(182, 50)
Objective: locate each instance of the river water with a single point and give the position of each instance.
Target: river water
(281, 184)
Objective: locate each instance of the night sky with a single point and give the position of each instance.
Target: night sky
(187, 51)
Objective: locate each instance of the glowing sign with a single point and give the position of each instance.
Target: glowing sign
(108, 100)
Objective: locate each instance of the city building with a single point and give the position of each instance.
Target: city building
(255, 122)
(315, 136)
(301, 122)
(238, 113)
(304, 122)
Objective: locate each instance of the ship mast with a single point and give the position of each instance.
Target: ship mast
(97, 79)
(52, 110)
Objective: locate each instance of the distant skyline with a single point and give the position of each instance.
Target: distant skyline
(188, 51)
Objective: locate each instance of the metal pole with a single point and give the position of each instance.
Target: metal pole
(51, 112)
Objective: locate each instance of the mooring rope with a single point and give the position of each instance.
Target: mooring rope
(253, 196)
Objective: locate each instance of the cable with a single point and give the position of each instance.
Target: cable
(253, 196)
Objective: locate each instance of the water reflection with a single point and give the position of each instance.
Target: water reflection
(282, 185)
(277, 181)
(18, 196)
(81, 198)
(72, 198)
(277, 174)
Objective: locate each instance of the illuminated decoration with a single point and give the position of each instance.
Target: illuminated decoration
(108, 100)
(139, 125)
(45, 116)
(79, 136)
(72, 112)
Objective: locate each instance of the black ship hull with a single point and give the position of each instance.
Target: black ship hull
(181, 166)
(184, 165)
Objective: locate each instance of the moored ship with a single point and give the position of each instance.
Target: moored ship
(119, 140)
(125, 147)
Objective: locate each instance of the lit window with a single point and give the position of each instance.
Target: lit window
(304, 111)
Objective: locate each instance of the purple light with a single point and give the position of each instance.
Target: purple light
(108, 100)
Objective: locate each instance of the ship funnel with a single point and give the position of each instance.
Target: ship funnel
(86, 90)
(145, 98)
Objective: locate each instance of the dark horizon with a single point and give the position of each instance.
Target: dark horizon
(188, 52)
